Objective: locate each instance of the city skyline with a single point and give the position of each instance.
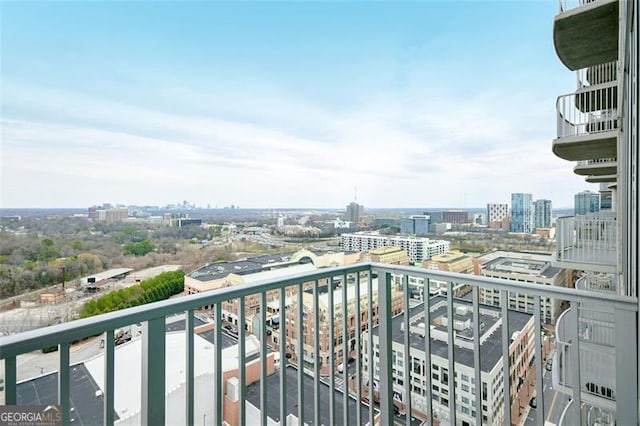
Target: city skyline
(273, 105)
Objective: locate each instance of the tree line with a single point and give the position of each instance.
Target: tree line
(154, 289)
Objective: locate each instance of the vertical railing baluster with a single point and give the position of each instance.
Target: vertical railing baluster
(427, 346)
(218, 391)
(10, 376)
(574, 351)
(332, 354)
(370, 348)
(358, 331)
(345, 353)
(316, 354)
(504, 304)
(477, 386)
(283, 355)
(64, 390)
(407, 350)
(242, 347)
(626, 391)
(451, 354)
(263, 358)
(386, 349)
(301, 336)
(153, 372)
(538, 356)
(109, 378)
(189, 368)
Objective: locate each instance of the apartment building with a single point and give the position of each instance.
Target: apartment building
(598, 129)
(325, 318)
(498, 215)
(522, 214)
(542, 214)
(525, 268)
(436, 381)
(391, 254)
(417, 248)
(453, 261)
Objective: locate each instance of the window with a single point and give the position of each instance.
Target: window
(465, 388)
(465, 378)
(465, 400)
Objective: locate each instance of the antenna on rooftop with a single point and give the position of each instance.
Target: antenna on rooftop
(355, 193)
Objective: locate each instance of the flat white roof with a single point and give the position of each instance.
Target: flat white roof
(106, 274)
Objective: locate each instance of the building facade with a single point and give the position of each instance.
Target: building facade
(526, 268)
(521, 352)
(542, 211)
(598, 128)
(586, 202)
(418, 249)
(498, 215)
(521, 213)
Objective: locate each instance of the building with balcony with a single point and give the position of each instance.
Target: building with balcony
(417, 248)
(597, 351)
(521, 352)
(596, 362)
(525, 268)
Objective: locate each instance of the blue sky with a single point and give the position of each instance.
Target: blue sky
(281, 104)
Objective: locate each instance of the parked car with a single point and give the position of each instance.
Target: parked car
(533, 403)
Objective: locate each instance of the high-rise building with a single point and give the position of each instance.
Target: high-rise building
(586, 202)
(498, 215)
(416, 225)
(542, 214)
(521, 213)
(597, 366)
(354, 212)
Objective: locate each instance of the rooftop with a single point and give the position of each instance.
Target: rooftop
(273, 404)
(490, 340)
(520, 263)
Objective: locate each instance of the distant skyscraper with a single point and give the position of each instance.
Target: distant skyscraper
(542, 209)
(416, 224)
(354, 212)
(498, 215)
(586, 202)
(521, 213)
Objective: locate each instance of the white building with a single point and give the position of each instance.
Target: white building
(417, 248)
(521, 349)
(527, 268)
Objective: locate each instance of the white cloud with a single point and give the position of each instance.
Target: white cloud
(399, 150)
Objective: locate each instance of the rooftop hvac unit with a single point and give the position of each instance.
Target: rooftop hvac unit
(461, 310)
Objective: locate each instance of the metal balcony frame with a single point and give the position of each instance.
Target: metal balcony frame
(153, 355)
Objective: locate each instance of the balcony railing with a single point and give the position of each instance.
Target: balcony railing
(587, 240)
(588, 112)
(597, 161)
(377, 290)
(566, 5)
(596, 334)
(602, 282)
(597, 74)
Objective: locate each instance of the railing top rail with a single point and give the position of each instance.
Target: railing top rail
(17, 344)
(530, 289)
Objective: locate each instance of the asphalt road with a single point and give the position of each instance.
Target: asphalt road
(554, 403)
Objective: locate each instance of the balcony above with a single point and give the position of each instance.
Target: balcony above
(587, 124)
(605, 283)
(585, 33)
(601, 178)
(597, 167)
(591, 416)
(596, 334)
(587, 242)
